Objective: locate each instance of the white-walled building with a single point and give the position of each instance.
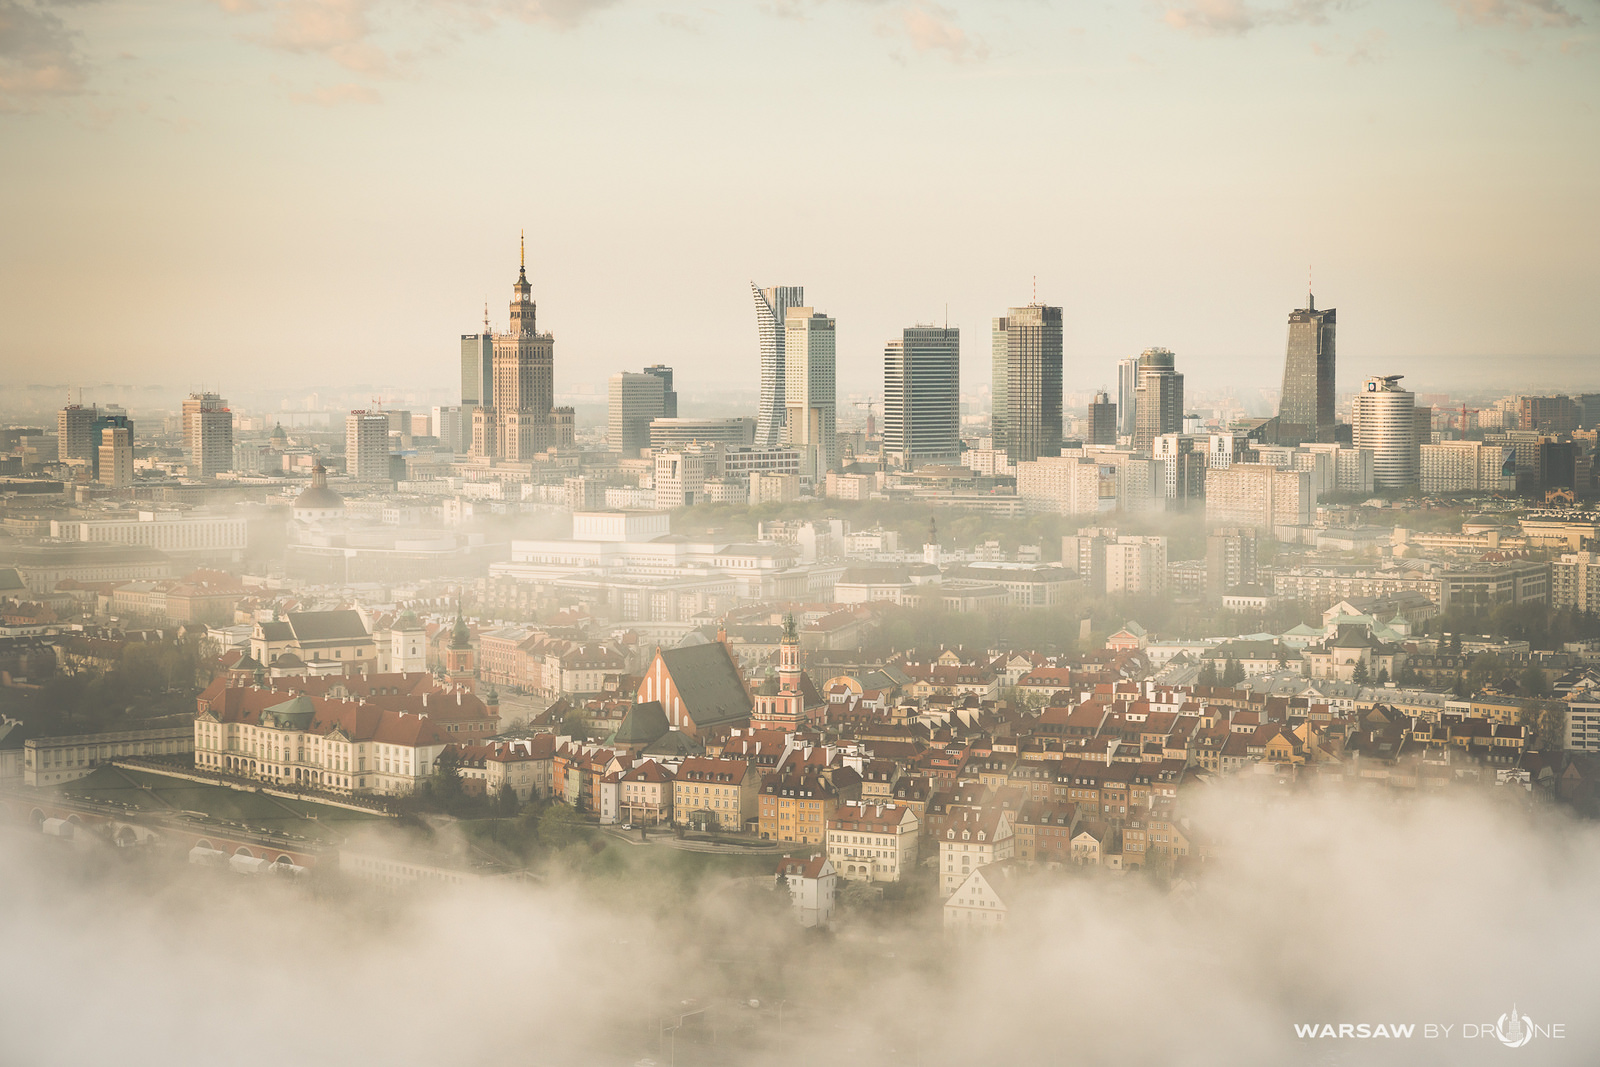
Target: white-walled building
(337, 745)
(1467, 466)
(975, 839)
(194, 534)
(873, 842)
(1255, 494)
(811, 885)
(1383, 418)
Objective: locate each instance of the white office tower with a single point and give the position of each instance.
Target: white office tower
(922, 397)
(809, 396)
(634, 401)
(772, 311)
(1383, 417)
(366, 446)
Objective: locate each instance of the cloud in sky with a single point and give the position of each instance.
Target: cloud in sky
(932, 29)
(334, 95)
(38, 56)
(1521, 14)
(1215, 18)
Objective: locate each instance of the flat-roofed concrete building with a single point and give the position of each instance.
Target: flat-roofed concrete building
(733, 433)
(1254, 494)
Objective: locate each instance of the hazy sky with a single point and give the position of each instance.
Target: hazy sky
(325, 191)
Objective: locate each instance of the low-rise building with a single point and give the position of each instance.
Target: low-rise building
(810, 884)
(972, 838)
(53, 760)
(873, 842)
(715, 794)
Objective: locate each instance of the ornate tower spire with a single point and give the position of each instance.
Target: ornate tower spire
(522, 306)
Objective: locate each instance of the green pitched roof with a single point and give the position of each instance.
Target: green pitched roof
(644, 723)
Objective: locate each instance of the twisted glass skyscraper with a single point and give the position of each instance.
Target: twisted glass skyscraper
(772, 306)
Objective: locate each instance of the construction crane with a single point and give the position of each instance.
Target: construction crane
(868, 403)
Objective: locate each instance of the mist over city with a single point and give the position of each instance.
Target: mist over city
(592, 532)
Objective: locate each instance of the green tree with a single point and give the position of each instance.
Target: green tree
(1361, 676)
(1208, 674)
(559, 826)
(1533, 682)
(1548, 721)
(445, 783)
(505, 802)
(1232, 672)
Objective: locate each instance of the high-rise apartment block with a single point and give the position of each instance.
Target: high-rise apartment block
(1158, 398)
(772, 313)
(522, 420)
(681, 476)
(115, 466)
(1136, 566)
(1026, 382)
(1383, 418)
(669, 395)
(1102, 420)
(1467, 466)
(633, 402)
(922, 397)
(1548, 414)
(366, 446)
(1183, 468)
(809, 391)
(1575, 582)
(75, 437)
(1119, 565)
(1230, 559)
(1254, 494)
(1305, 412)
(207, 434)
(452, 425)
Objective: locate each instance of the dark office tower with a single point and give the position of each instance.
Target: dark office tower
(1558, 465)
(1305, 413)
(1102, 420)
(1158, 400)
(1026, 421)
(922, 397)
(669, 396)
(772, 311)
(477, 370)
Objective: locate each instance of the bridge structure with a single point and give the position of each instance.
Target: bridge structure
(205, 840)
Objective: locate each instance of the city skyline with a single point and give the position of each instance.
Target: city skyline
(246, 195)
